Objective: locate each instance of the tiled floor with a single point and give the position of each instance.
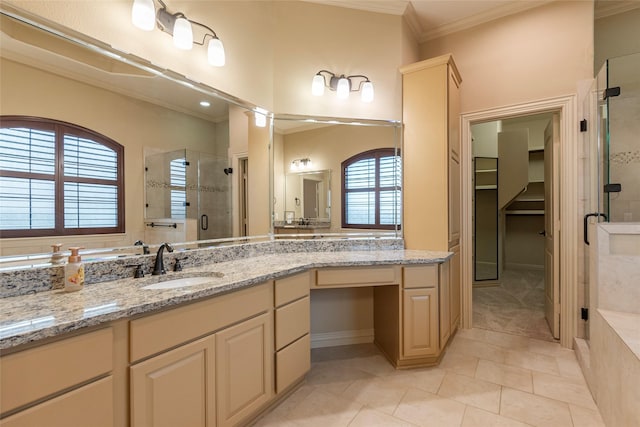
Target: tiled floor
(485, 379)
(516, 305)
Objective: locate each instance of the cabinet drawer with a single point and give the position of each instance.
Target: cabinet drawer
(38, 372)
(91, 405)
(422, 276)
(292, 322)
(292, 288)
(158, 332)
(292, 363)
(358, 276)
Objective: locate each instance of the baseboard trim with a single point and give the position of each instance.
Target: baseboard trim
(332, 339)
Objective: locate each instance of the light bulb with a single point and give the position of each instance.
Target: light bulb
(367, 92)
(344, 87)
(143, 14)
(317, 86)
(182, 34)
(215, 53)
(261, 120)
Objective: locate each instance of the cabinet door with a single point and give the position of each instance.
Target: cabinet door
(443, 304)
(455, 287)
(175, 388)
(420, 322)
(244, 367)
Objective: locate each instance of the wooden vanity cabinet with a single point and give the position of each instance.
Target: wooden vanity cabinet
(71, 377)
(432, 178)
(292, 329)
(209, 363)
(420, 311)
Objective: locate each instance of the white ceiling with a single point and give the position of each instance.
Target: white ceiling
(435, 18)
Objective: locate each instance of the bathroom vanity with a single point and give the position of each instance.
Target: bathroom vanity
(222, 351)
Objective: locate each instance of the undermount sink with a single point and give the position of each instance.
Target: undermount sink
(193, 279)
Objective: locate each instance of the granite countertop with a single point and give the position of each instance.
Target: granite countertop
(28, 318)
(310, 226)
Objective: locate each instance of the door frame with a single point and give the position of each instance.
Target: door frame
(568, 181)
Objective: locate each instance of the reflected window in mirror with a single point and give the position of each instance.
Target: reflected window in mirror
(371, 190)
(57, 178)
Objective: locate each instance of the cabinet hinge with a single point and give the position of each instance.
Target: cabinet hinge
(584, 313)
(583, 125)
(611, 92)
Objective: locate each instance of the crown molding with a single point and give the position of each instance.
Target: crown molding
(604, 9)
(480, 18)
(413, 22)
(391, 7)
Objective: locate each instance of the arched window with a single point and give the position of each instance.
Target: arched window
(371, 187)
(57, 179)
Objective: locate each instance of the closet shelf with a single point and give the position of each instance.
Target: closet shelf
(525, 212)
(486, 187)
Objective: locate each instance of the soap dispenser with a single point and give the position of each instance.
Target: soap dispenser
(56, 255)
(74, 272)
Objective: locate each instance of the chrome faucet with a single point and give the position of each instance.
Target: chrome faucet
(158, 268)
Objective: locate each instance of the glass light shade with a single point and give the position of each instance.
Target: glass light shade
(294, 166)
(215, 53)
(317, 86)
(367, 92)
(143, 14)
(261, 120)
(343, 88)
(182, 34)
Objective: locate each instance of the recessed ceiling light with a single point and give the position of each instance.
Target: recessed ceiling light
(205, 104)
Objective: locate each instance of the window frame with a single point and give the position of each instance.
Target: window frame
(376, 153)
(60, 128)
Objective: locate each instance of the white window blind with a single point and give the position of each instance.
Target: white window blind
(372, 190)
(56, 178)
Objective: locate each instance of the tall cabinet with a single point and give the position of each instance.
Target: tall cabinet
(431, 169)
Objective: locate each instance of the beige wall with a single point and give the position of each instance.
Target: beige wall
(328, 147)
(272, 47)
(616, 35)
(33, 92)
(537, 54)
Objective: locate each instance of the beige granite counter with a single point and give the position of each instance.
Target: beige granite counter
(29, 318)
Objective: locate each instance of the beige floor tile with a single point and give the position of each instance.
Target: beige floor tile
(321, 409)
(474, 417)
(375, 365)
(533, 361)
(428, 379)
(564, 389)
(294, 399)
(535, 410)
(509, 376)
(479, 349)
(569, 367)
(549, 348)
(459, 363)
(583, 417)
(368, 417)
(427, 409)
(381, 394)
(470, 391)
(335, 376)
(499, 339)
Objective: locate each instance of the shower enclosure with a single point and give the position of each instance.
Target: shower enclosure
(186, 184)
(612, 138)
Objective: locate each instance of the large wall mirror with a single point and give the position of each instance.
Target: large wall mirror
(180, 138)
(336, 176)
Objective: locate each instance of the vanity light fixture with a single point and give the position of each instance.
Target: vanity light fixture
(342, 85)
(145, 17)
(301, 164)
(205, 104)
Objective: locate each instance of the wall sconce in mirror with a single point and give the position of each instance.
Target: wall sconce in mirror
(301, 164)
(342, 85)
(260, 116)
(145, 17)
